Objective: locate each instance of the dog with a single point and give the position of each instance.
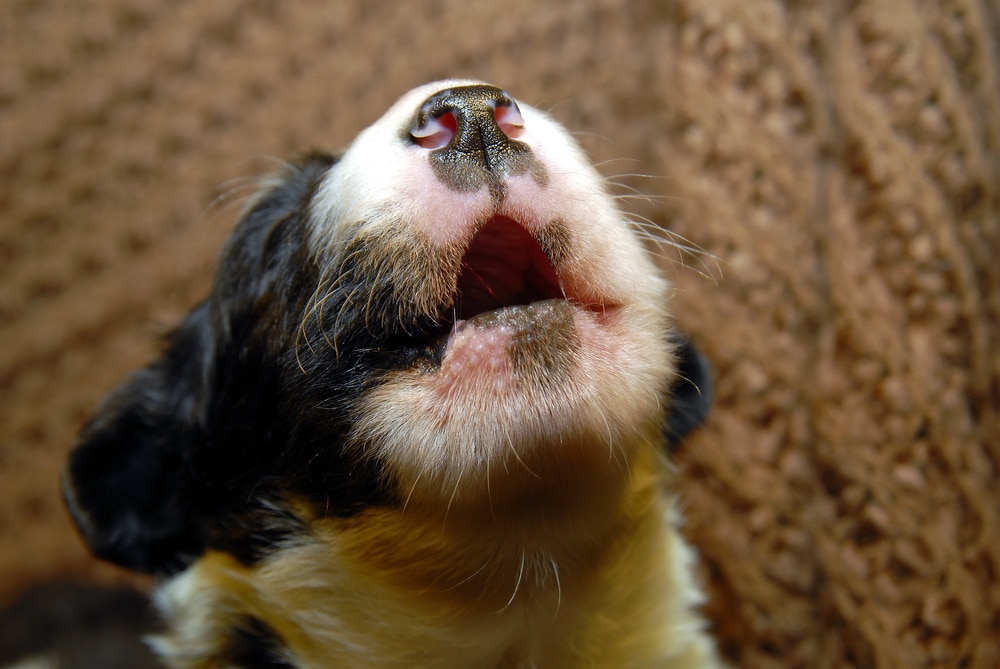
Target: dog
(421, 420)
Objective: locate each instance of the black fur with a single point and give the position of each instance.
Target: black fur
(229, 413)
(692, 393)
(254, 645)
(129, 484)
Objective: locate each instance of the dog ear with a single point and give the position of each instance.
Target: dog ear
(170, 450)
(128, 484)
(691, 395)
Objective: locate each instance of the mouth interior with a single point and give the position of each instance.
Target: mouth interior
(504, 266)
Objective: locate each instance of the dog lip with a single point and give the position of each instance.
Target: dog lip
(504, 265)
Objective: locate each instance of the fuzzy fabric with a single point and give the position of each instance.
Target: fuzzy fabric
(830, 171)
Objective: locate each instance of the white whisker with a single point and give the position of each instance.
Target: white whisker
(555, 573)
(517, 585)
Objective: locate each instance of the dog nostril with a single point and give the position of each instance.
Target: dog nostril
(509, 118)
(436, 132)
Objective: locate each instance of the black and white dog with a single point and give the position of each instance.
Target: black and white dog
(419, 420)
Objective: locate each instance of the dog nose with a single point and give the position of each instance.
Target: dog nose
(471, 133)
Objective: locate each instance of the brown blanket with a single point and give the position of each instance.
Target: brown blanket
(836, 163)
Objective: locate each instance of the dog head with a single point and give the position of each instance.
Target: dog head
(451, 316)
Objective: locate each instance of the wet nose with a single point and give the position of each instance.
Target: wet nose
(471, 133)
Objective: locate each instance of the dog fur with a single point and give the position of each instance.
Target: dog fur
(418, 422)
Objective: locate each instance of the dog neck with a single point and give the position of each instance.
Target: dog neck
(405, 588)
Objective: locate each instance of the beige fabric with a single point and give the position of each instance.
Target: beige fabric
(837, 161)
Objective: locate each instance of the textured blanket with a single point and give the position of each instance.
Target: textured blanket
(831, 177)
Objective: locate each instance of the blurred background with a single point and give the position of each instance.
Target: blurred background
(832, 166)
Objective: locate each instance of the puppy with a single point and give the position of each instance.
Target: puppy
(419, 420)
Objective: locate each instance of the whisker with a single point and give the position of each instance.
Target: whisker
(555, 573)
(517, 586)
(517, 455)
(232, 190)
(683, 249)
(620, 159)
(470, 576)
(413, 487)
(454, 494)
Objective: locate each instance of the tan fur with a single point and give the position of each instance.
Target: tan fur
(397, 589)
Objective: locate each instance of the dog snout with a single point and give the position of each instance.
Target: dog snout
(471, 133)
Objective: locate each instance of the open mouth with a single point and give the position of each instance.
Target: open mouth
(504, 266)
(506, 280)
